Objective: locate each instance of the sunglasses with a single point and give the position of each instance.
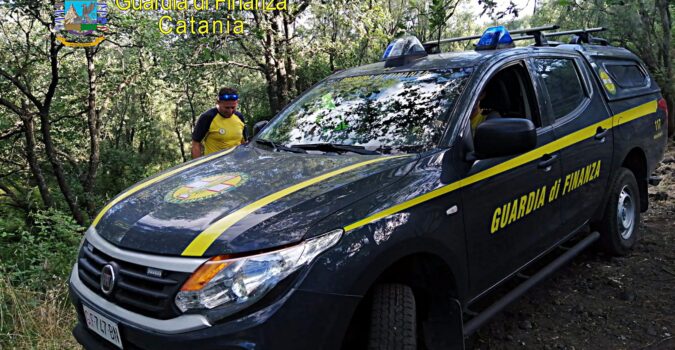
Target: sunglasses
(228, 97)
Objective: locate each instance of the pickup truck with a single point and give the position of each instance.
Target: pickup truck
(384, 205)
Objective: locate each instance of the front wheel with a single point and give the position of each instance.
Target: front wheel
(619, 225)
(393, 318)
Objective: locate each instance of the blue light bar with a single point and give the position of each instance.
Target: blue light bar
(390, 47)
(403, 51)
(495, 38)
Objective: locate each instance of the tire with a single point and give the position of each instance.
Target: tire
(619, 225)
(393, 318)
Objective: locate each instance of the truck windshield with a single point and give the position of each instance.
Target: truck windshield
(387, 113)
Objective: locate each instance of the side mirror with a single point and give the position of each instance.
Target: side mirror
(259, 126)
(504, 137)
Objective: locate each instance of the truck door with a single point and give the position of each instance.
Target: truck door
(509, 219)
(580, 119)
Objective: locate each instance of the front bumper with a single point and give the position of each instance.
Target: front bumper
(298, 320)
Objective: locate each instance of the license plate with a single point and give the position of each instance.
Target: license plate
(102, 326)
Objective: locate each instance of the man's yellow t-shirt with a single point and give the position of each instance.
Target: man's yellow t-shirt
(480, 117)
(223, 133)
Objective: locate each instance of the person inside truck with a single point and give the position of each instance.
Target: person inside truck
(480, 114)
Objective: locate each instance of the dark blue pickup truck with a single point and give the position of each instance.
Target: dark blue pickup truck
(385, 205)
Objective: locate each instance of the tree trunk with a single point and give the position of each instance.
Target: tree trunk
(33, 163)
(180, 143)
(47, 135)
(58, 169)
(277, 65)
(289, 31)
(193, 115)
(130, 137)
(93, 123)
(17, 201)
(271, 77)
(179, 135)
(43, 107)
(122, 116)
(277, 39)
(667, 88)
(647, 38)
(333, 37)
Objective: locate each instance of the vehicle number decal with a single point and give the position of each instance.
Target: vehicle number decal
(102, 326)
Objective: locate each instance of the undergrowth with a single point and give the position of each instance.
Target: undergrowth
(34, 266)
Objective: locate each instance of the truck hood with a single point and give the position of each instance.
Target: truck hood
(266, 199)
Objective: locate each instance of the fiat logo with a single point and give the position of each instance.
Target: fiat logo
(108, 279)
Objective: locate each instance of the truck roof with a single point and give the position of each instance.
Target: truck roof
(431, 62)
(473, 58)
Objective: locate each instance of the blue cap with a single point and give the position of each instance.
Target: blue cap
(495, 38)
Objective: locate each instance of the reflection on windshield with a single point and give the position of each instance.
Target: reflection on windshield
(400, 111)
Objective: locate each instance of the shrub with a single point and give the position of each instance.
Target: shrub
(34, 265)
(43, 255)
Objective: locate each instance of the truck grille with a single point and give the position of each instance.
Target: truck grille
(136, 290)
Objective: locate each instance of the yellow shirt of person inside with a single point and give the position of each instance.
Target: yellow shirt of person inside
(476, 119)
(223, 133)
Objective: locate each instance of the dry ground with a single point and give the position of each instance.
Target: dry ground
(598, 302)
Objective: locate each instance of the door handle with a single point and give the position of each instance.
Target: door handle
(601, 133)
(547, 162)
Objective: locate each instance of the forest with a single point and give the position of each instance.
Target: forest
(80, 124)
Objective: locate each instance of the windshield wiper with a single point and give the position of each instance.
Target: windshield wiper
(335, 147)
(278, 147)
(400, 149)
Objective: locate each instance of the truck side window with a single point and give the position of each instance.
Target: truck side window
(562, 82)
(508, 94)
(627, 75)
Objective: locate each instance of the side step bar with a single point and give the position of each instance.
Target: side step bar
(477, 321)
(654, 180)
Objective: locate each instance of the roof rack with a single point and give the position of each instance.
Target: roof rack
(583, 36)
(537, 33)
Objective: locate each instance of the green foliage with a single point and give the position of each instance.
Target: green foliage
(43, 255)
(151, 88)
(438, 15)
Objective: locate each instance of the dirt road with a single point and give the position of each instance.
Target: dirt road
(598, 302)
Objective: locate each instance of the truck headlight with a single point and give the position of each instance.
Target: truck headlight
(240, 282)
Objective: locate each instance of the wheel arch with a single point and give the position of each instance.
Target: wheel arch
(437, 293)
(420, 270)
(636, 162)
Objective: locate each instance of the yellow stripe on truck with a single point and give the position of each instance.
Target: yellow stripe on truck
(564, 142)
(637, 112)
(204, 240)
(155, 180)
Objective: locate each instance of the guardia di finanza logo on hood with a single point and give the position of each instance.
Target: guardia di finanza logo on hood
(204, 188)
(80, 23)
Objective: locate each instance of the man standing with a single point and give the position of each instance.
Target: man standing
(221, 127)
